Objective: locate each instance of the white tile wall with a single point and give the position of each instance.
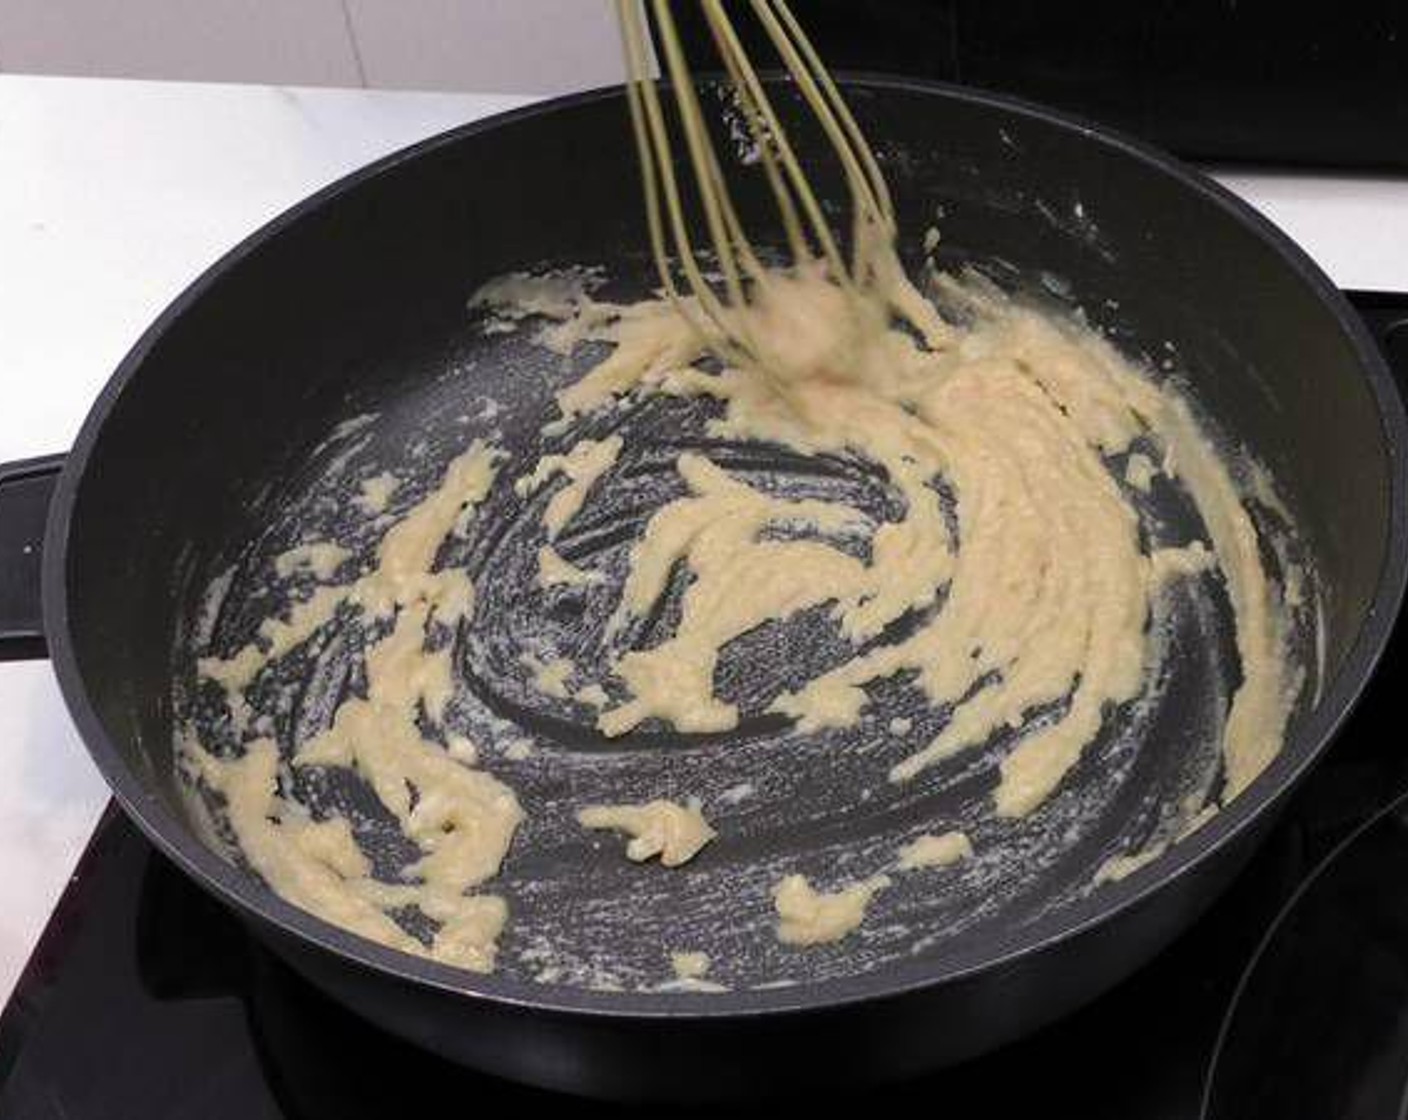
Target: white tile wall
(305, 42)
(524, 46)
(529, 46)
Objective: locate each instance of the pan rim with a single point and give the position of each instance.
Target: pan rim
(171, 835)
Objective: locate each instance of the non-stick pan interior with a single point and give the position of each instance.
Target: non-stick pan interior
(234, 443)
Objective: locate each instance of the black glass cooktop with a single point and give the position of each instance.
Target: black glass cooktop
(1210, 80)
(147, 1000)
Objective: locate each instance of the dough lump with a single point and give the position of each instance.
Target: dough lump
(934, 851)
(674, 832)
(807, 916)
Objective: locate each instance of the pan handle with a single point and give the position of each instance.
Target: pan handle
(25, 489)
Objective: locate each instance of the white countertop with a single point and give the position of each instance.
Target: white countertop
(115, 194)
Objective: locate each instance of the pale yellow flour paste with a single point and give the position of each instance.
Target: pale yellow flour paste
(463, 819)
(1046, 593)
(807, 916)
(1048, 596)
(934, 851)
(674, 832)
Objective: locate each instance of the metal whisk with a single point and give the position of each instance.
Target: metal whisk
(808, 235)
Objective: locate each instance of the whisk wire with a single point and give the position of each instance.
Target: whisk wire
(880, 191)
(664, 202)
(773, 144)
(871, 211)
(628, 16)
(712, 190)
(744, 82)
(718, 316)
(664, 205)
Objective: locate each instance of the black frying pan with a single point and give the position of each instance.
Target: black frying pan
(214, 445)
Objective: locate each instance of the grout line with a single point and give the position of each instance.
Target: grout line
(356, 46)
